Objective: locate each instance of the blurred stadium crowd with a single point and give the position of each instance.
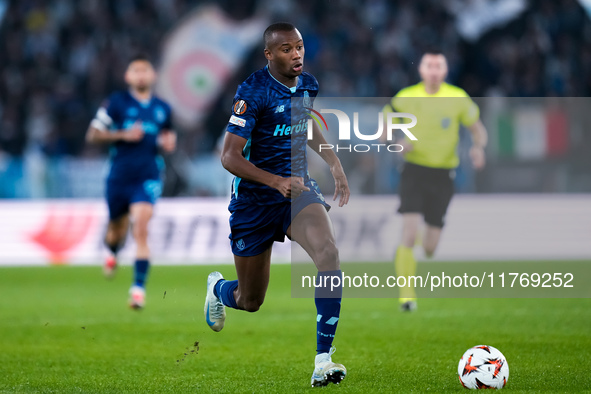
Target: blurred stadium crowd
(61, 58)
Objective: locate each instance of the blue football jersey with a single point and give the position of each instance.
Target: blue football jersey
(276, 133)
(135, 161)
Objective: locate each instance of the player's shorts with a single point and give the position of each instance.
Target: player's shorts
(121, 195)
(254, 228)
(427, 191)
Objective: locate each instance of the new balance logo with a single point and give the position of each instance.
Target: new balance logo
(279, 109)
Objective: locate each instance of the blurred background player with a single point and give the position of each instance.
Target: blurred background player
(427, 180)
(136, 123)
(273, 194)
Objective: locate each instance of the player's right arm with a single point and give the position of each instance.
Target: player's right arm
(245, 114)
(236, 163)
(100, 131)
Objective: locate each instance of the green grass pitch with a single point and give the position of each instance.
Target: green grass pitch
(66, 329)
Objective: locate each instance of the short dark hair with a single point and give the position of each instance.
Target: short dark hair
(275, 27)
(140, 56)
(433, 50)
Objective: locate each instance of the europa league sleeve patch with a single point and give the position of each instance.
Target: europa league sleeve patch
(240, 107)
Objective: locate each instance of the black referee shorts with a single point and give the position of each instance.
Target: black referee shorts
(427, 191)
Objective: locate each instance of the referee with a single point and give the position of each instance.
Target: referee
(426, 185)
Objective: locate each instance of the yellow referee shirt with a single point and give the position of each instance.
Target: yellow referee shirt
(439, 117)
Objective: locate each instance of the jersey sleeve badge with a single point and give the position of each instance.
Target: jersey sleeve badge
(237, 121)
(240, 107)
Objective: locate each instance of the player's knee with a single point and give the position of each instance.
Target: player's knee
(327, 257)
(110, 238)
(140, 230)
(431, 240)
(429, 250)
(252, 305)
(140, 236)
(113, 237)
(409, 240)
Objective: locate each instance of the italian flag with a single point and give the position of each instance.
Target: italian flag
(533, 133)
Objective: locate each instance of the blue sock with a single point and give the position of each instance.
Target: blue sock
(224, 289)
(140, 272)
(328, 307)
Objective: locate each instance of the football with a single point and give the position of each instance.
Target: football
(483, 367)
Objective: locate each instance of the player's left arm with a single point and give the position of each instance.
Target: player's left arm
(336, 168)
(479, 141)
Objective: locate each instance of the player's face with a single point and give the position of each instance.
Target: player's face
(140, 75)
(433, 69)
(285, 51)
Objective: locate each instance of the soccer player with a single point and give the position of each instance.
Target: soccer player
(426, 185)
(273, 194)
(136, 124)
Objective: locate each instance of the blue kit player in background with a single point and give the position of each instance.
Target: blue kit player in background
(273, 195)
(137, 124)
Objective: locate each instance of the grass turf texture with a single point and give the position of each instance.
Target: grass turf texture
(66, 329)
